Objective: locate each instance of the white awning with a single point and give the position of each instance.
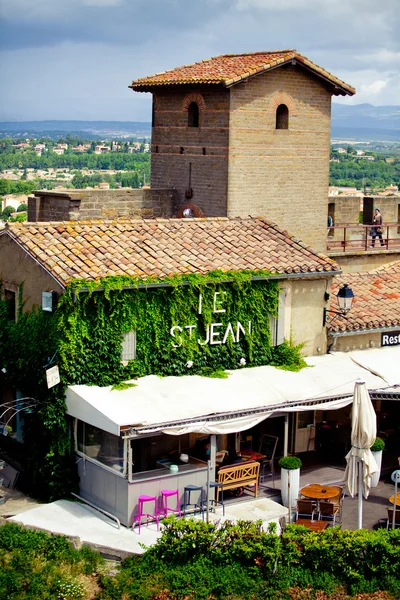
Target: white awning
(201, 404)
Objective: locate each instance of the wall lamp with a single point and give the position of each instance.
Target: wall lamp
(345, 300)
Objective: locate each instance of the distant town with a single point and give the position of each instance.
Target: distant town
(73, 162)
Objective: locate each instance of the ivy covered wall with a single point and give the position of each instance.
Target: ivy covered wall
(194, 325)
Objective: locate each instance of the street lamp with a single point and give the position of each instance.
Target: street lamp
(345, 300)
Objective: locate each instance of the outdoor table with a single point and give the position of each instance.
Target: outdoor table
(249, 455)
(316, 491)
(391, 499)
(313, 525)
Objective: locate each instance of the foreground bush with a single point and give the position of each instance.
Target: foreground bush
(194, 560)
(37, 566)
(198, 561)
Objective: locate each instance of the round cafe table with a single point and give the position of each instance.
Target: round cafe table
(391, 499)
(316, 491)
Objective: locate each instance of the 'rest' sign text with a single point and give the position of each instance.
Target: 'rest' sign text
(391, 339)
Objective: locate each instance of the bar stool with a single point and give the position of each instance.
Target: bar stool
(215, 485)
(164, 508)
(149, 515)
(188, 489)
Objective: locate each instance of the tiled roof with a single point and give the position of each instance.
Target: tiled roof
(230, 69)
(376, 300)
(393, 267)
(162, 247)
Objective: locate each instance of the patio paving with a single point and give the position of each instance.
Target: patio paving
(85, 525)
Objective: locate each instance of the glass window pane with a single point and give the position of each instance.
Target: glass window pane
(101, 445)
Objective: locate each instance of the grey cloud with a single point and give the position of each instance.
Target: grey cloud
(79, 56)
(114, 21)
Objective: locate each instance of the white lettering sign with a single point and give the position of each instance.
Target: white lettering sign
(216, 333)
(52, 376)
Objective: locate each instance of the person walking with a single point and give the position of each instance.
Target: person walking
(376, 230)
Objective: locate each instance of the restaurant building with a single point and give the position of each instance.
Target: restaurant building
(170, 335)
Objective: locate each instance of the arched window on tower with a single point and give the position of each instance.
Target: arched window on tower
(193, 115)
(282, 117)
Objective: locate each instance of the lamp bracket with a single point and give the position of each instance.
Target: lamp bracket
(328, 311)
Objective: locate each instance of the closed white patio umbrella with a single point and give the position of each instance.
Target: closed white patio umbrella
(361, 464)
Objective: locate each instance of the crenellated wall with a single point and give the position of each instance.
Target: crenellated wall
(101, 204)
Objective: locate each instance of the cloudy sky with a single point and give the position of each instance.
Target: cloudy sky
(74, 59)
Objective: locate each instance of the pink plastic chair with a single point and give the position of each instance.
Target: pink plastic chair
(149, 515)
(164, 508)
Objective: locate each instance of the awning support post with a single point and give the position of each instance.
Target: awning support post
(286, 435)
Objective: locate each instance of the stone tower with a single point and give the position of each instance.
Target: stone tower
(247, 134)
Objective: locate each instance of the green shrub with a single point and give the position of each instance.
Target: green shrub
(290, 462)
(378, 445)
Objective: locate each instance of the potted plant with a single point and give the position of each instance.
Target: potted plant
(376, 449)
(290, 479)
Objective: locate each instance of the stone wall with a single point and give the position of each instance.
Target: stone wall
(101, 204)
(281, 174)
(16, 267)
(192, 158)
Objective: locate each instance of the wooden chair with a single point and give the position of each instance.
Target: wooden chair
(337, 501)
(305, 508)
(390, 518)
(327, 511)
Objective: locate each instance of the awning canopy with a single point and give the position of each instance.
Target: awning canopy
(185, 404)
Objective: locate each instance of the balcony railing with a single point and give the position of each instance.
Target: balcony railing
(357, 238)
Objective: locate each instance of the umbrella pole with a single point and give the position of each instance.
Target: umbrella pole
(360, 490)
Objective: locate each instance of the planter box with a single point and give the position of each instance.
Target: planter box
(290, 494)
(378, 459)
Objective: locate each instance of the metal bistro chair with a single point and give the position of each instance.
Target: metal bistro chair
(327, 511)
(199, 505)
(164, 507)
(389, 520)
(219, 500)
(305, 508)
(146, 512)
(268, 446)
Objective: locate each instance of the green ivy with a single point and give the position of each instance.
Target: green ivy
(86, 333)
(92, 324)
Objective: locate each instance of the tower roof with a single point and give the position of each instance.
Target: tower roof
(229, 69)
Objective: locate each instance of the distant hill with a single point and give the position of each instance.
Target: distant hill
(358, 122)
(85, 129)
(364, 122)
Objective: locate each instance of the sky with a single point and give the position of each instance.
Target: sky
(74, 59)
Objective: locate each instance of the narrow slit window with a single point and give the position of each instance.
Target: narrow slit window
(11, 298)
(204, 151)
(282, 117)
(193, 115)
(181, 150)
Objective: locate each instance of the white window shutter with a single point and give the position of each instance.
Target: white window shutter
(128, 346)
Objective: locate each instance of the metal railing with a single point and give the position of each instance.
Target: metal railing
(97, 508)
(356, 238)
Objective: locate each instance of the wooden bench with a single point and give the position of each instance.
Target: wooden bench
(240, 475)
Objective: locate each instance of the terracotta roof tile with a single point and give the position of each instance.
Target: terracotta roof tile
(171, 246)
(376, 299)
(229, 69)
